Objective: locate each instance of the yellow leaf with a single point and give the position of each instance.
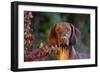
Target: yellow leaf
(41, 45)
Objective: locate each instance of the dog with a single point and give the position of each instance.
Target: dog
(63, 37)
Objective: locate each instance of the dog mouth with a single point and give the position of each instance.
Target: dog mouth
(64, 45)
(64, 42)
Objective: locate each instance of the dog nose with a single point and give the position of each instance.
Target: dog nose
(63, 45)
(64, 41)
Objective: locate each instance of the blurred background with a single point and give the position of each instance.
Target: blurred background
(40, 23)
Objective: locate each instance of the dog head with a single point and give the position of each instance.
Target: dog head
(63, 34)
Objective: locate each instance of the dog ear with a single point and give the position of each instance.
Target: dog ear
(52, 35)
(74, 35)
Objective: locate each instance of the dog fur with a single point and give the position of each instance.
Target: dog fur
(63, 37)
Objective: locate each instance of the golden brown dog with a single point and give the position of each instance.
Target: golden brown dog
(63, 37)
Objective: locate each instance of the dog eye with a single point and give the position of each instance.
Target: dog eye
(68, 29)
(60, 31)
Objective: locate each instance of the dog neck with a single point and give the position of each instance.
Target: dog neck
(63, 53)
(67, 53)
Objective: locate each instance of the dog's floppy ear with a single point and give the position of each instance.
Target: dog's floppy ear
(75, 33)
(52, 35)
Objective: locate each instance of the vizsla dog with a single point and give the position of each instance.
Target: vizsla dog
(63, 36)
